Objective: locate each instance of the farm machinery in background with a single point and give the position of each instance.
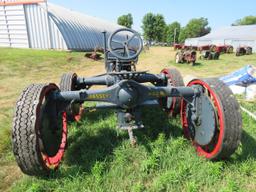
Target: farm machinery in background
(223, 49)
(243, 50)
(96, 54)
(209, 55)
(209, 112)
(177, 46)
(186, 56)
(217, 48)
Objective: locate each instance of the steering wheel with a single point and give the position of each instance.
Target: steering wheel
(125, 44)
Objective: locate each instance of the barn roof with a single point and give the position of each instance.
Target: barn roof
(78, 29)
(236, 36)
(243, 32)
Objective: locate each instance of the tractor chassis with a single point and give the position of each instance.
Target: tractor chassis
(209, 112)
(126, 94)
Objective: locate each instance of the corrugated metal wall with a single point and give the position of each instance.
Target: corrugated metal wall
(48, 26)
(80, 32)
(57, 40)
(13, 31)
(37, 27)
(42, 31)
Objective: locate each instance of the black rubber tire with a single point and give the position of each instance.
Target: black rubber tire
(232, 119)
(174, 79)
(248, 50)
(230, 49)
(68, 83)
(26, 136)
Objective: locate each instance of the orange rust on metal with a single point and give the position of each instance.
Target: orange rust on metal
(20, 2)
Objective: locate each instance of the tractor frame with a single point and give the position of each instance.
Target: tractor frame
(207, 107)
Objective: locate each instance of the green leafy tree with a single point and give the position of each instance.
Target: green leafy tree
(125, 20)
(248, 20)
(148, 26)
(159, 28)
(154, 27)
(173, 32)
(182, 35)
(195, 28)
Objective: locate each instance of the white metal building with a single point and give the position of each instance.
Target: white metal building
(231, 35)
(41, 25)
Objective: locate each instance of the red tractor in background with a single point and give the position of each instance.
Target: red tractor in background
(223, 48)
(205, 47)
(217, 48)
(188, 56)
(177, 46)
(243, 50)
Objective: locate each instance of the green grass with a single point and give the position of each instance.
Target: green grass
(100, 157)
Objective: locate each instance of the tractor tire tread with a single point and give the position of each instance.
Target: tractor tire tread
(232, 118)
(177, 81)
(24, 135)
(67, 84)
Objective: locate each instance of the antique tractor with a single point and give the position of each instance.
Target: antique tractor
(243, 50)
(177, 46)
(188, 56)
(209, 112)
(209, 55)
(205, 47)
(224, 48)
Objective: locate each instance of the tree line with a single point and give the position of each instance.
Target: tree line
(156, 29)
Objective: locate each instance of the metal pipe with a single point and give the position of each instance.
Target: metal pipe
(99, 80)
(172, 91)
(105, 49)
(147, 77)
(109, 80)
(249, 113)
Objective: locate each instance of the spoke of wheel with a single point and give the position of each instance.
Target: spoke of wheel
(116, 41)
(127, 50)
(134, 35)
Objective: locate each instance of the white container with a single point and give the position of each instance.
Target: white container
(251, 92)
(237, 89)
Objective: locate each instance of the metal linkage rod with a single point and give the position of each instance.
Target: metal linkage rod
(98, 80)
(111, 79)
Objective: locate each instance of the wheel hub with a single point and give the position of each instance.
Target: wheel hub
(51, 128)
(204, 124)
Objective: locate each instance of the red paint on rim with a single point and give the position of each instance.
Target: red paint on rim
(217, 104)
(78, 116)
(53, 162)
(166, 72)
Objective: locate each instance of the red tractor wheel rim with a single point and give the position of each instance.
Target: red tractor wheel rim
(218, 144)
(53, 162)
(78, 116)
(165, 71)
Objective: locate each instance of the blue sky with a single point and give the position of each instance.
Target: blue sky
(219, 12)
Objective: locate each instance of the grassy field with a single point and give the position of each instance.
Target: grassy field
(99, 157)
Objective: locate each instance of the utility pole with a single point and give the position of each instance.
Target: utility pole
(174, 37)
